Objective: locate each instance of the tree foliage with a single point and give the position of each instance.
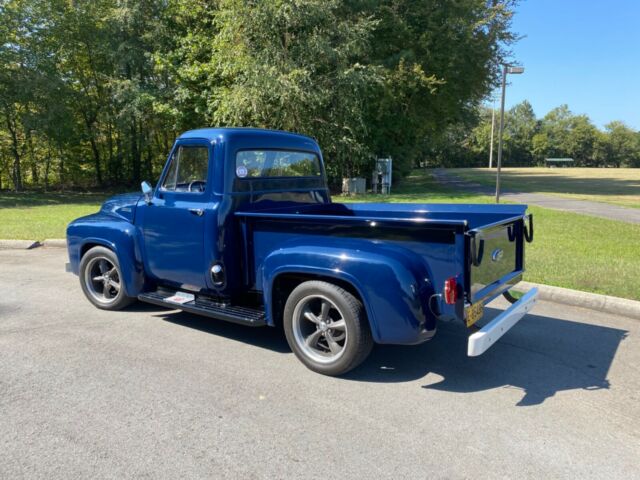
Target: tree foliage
(528, 141)
(92, 92)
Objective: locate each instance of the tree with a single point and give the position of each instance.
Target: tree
(520, 128)
(92, 92)
(15, 79)
(563, 134)
(479, 140)
(365, 78)
(439, 60)
(621, 145)
(552, 139)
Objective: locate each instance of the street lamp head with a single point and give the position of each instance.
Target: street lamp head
(515, 70)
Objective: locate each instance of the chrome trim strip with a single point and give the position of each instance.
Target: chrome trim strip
(499, 223)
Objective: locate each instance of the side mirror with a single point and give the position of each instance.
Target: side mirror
(147, 191)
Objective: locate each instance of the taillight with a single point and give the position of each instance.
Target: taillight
(451, 291)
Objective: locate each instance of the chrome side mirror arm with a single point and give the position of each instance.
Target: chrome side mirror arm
(147, 191)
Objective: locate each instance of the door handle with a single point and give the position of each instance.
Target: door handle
(197, 211)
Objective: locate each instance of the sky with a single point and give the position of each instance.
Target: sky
(585, 53)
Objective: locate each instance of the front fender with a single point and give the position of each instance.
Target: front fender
(392, 282)
(114, 233)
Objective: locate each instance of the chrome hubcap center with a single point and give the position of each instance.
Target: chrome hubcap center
(319, 329)
(100, 272)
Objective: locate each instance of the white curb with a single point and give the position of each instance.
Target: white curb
(55, 242)
(18, 244)
(593, 301)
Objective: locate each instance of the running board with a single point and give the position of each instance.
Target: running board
(235, 314)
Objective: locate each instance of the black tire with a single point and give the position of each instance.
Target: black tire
(350, 334)
(509, 296)
(99, 275)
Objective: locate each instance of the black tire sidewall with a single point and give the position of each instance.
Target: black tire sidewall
(358, 333)
(122, 300)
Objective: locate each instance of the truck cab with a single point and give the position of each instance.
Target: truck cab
(241, 227)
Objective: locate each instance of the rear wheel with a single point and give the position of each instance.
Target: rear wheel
(101, 279)
(326, 328)
(511, 298)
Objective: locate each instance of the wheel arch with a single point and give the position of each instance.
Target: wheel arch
(287, 280)
(393, 289)
(96, 242)
(119, 236)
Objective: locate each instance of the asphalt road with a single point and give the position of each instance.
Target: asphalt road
(150, 393)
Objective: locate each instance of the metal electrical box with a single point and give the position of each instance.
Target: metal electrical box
(381, 178)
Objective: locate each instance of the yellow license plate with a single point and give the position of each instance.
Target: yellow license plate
(474, 313)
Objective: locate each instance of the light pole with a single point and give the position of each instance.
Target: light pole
(493, 122)
(514, 71)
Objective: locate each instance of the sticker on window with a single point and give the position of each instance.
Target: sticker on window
(242, 171)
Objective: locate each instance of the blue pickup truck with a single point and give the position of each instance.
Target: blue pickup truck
(241, 227)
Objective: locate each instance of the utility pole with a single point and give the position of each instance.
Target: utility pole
(515, 71)
(493, 123)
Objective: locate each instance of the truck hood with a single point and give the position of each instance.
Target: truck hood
(123, 206)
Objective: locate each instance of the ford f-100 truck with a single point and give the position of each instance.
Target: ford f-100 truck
(241, 227)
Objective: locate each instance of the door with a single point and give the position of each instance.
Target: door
(174, 221)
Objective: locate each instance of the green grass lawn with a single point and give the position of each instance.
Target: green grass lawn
(620, 186)
(36, 216)
(570, 250)
(584, 253)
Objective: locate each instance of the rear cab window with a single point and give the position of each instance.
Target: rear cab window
(188, 170)
(276, 163)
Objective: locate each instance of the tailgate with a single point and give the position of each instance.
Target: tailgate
(496, 257)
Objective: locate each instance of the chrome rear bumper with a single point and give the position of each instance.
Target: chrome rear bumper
(480, 341)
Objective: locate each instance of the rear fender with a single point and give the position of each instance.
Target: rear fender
(392, 282)
(114, 233)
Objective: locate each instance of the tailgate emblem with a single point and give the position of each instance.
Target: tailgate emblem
(497, 255)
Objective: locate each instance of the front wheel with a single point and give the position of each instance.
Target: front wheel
(326, 328)
(101, 279)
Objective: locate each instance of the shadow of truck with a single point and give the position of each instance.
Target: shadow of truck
(541, 356)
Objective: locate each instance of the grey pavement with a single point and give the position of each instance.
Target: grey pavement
(585, 207)
(151, 393)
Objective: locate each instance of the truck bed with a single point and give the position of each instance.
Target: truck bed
(470, 216)
(460, 238)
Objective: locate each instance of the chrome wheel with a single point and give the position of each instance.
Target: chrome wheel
(102, 280)
(319, 329)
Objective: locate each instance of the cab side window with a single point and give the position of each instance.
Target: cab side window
(188, 170)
